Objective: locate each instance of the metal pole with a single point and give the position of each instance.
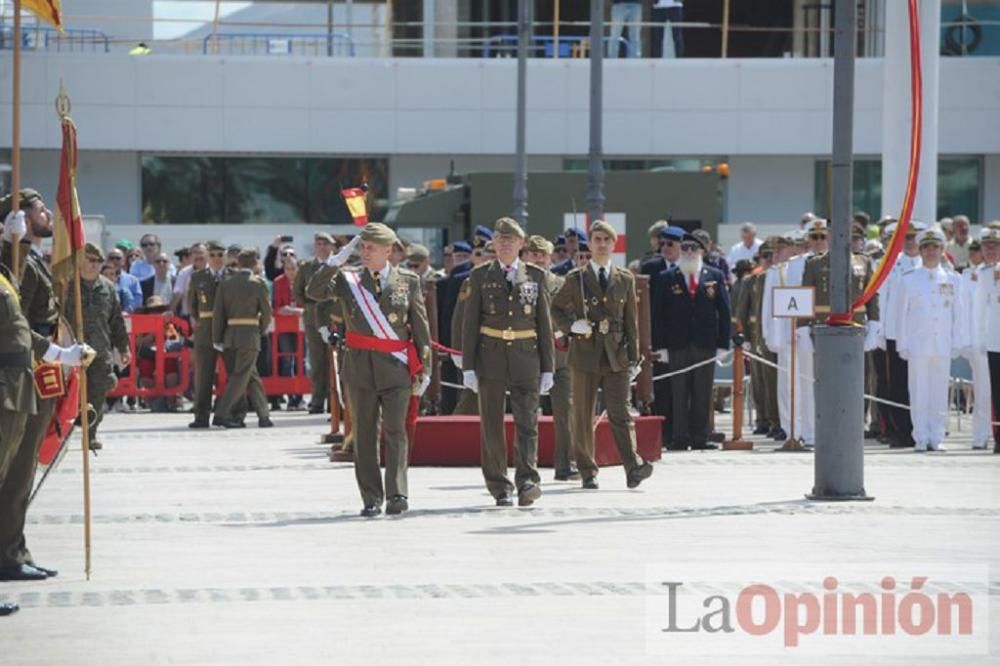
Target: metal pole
(839, 358)
(555, 30)
(329, 28)
(595, 171)
(725, 29)
(15, 143)
(520, 156)
(215, 28)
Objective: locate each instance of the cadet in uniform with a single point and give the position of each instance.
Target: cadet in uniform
(774, 332)
(32, 222)
(559, 402)
(242, 315)
(507, 344)
(103, 329)
(933, 329)
(201, 297)
(387, 359)
(597, 305)
(986, 305)
(982, 412)
(316, 346)
(748, 311)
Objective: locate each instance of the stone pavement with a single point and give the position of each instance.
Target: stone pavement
(244, 547)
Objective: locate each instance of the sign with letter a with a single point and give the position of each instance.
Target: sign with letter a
(791, 302)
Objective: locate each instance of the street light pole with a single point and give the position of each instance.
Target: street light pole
(595, 171)
(520, 156)
(839, 358)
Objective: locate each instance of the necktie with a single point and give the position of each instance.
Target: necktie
(378, 284)
(508, 273)
(692, 285)
(602, 277)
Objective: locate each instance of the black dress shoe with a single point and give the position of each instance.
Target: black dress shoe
(199, 423)
(528, 494)
(761, 430)
(51, 573)
(704, 446)
(316, 410)
(95, 445)
(676, 446)
(778, 435)
(639, 474)
(589, 484)
(505, 500)
(396, 505)
(231, 423)
(996, 448)
(371, 511)
(265, 423)
(571, 474)
(8, 609)
(22, 572)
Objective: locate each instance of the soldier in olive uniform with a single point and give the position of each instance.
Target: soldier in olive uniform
(103, 329)
(559, 402)
(242, 315)
(386, 362)
(597, 305)
(316, 346)
(507, 344)
(468, 401)
(33, 223)
(201, 302)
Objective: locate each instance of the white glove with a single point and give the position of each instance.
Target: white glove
(424, 383)
(581, 327)
(470, 381)
(270, 327)
(72, 356)
(217, 346)
(662, 355)
(14, 225)
(747, 346)
(873, 334)
(457, 360)
(325, 332)
(545, 383)
(345, 253)
(634, 371)
(804, 341)
(903, 354)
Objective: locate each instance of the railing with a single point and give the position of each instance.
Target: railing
(263, 43)
(49, 39)
(544, 47)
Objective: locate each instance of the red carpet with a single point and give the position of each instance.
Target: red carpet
(454, 441)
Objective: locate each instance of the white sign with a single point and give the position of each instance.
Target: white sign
(790, 302)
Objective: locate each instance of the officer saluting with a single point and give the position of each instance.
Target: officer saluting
(597, 304)
(507, 344)
(386, 361)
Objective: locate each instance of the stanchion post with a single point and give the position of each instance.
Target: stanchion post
(644, 382)
(737, 443)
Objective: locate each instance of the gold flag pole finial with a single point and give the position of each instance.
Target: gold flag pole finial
(63, 104)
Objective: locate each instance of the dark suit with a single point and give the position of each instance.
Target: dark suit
(146, 286)
(662, 396)
(447, 298)
(564, 267)
(691, 328)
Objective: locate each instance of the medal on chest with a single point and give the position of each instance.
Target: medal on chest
(528, 294)
(399, 298)
(393, 317)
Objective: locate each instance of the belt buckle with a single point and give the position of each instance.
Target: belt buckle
(507, 335)
(604, 326)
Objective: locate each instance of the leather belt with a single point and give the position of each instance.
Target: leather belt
(15, 360)
(605, 326)
(205, 315)
(508, 334)
(243, 321)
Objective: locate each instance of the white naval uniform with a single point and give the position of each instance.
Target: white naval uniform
(982, 410)
(886, 293)
(933, 328)
(777, 337)
(987, 333)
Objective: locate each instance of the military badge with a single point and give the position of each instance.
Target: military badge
(947, 289)
(676, 290)
(393, 317)
(604, 327)
(527, 309)
(399, 297)
(204, 298)
(49, 382)
(528, 293)
(710, 289)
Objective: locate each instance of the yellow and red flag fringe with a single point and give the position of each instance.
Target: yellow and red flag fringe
(899, 237)
(67, 234)
(49, 11)
(354, 197)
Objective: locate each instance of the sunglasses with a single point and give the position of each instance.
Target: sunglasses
(288, 254)
(690, 247)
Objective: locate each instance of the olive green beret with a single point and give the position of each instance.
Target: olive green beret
(604, 228)
(538, 243)
(508, 226)
(28, 198)
(90, 248)
(418, 253)
(215, 246)
(323, 236)
(657, 227)
(378, 233)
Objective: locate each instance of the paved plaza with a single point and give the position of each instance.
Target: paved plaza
(244, 547)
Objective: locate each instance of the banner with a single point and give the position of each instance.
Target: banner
(354, 197)
(49, 11)
(68, 238)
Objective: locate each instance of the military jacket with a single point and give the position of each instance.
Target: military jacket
(512, 308)
(103, 324)
(402, 303)
(817, 274)
(17, 387)
(201, 294)
(37, 295)
(242, 311)
(612, 314)
(553, 283)
(307, 269)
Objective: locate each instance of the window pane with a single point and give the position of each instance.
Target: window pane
(958, 187)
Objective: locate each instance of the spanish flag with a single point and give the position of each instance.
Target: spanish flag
(68, 239)
(354, 197)
(49, 11)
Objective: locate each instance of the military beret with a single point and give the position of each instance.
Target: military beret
(658, 227)
(248, 253)
(235, 248)
(461, 246)
(378, 233)
(817, 225)
(215, 246)
(932, 236)
(858, 230)
(323, 236)
(90, 248)
(28, 197)
(989, 235)
(538, 243)
(484, 232)
(583, 246)
(560, 241)
(673, 233)
(603, 227)
(418, 252)
(692, 238)
(182, 252)
(774, 242)
(576, 232)
(508, 225)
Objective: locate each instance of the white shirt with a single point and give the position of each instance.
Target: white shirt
(510, 272)
(889, 291)
(933, 316)
(183, 279)
(163, 289)
(740, 251)
(383, 275)
(986, 305)
(777, 333)
(597, 270)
